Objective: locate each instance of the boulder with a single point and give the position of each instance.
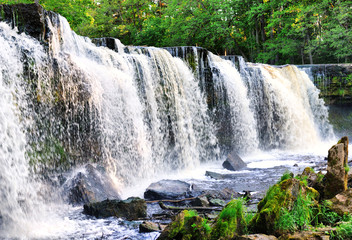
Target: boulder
(335, 180)
(281, 197)
(186, 225)
(89, 185)
(146, 227)
(200, 201)
(255, 237)
(131, 209)
(342, 203)
(168, 189)
(233, 162)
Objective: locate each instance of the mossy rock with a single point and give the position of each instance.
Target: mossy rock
(187, 226)
(231, 221)
(279, 200)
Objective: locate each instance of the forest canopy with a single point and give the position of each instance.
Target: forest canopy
(268, 31)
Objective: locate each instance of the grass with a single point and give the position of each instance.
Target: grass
(299, 217)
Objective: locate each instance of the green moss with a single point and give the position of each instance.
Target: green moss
(347, 169)
(190, 59)
(188, 225)
(320, 177)
(297, 218)
(233, 219)
(49, 153)
(285, 176)
(286, 206)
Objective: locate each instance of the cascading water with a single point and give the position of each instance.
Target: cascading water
(22, 209)
(233, 92)
(152, 114)
(290, 110)
(136, 111)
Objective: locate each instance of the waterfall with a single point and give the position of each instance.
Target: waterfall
(151, 113)
(233, 95)
(20, 206)
(136, 112)
(287, 106)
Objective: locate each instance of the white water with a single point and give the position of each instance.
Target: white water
(243, 126)
(147, 116)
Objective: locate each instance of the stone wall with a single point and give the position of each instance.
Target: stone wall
(333, 80)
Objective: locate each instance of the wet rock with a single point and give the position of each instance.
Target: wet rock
(222, 194)
(146, 227)
(89, 185)
(216, 176)
(131, 209)
(168, 189)
(342, 202)
(255, 237)
(217, 202)
(335, 180)
(201, 201)
(233, 162)
(30, 18)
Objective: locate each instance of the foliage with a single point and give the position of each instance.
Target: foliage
(276, 32)
(325, 216)
(343, 230)
(297, 218)
(232, 219)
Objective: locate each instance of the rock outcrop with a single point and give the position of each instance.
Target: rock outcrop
(335, 180)
(30, 18)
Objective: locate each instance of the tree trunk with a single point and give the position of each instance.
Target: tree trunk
(309, 51)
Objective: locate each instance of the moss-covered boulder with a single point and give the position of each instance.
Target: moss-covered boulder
(287, 207)
(231, 221)
(187, 226)
(335, 180)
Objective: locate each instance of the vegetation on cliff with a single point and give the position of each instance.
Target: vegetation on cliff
(269, 31)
